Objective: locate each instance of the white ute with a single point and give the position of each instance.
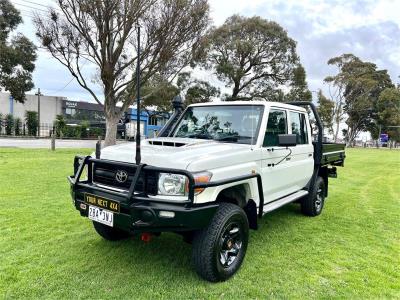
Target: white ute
(221, 167)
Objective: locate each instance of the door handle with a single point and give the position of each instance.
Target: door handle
(310, 154)
(288, 158)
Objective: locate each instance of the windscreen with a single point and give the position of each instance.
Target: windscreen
(226, 123)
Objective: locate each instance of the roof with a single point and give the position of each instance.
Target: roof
(257, 102)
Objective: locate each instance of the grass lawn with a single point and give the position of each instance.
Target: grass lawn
(351, 251)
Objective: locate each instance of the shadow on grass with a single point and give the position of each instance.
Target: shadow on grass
(168, 256)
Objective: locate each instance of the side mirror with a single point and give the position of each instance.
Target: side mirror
(287, 140)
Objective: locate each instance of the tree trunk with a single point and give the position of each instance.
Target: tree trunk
(111, 131)
(337, 131)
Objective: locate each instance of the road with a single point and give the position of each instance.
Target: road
(46, 143)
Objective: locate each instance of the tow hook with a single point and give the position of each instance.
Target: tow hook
(146, 237)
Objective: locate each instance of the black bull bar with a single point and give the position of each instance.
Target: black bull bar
(81, 161)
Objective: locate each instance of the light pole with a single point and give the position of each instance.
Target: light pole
(38, 108)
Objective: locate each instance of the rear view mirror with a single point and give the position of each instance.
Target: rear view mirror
(287, 140)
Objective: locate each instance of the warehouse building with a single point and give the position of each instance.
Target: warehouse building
(76, 112)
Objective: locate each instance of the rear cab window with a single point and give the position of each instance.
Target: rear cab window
(298, 126)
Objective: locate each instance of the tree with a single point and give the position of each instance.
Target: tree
(60, 125)
(103, 33)
(200, 92)
(18, 54)
(359, 85)
(196, 91)
(9, 120)
(326, 111)
(388, 107)
(17, 126)
(160, 93)
(31, 119)
(252, 56)
(299, 87)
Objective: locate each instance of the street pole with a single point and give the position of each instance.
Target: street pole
(38, 94)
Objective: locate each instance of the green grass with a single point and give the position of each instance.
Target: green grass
(351, 251)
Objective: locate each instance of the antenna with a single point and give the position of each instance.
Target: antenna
(138, 157)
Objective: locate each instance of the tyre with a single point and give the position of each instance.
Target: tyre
(109, 233)
(313, 203)
(219, 249)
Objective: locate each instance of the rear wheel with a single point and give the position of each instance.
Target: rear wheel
(219, 249)
(109, 233)
(313, 203)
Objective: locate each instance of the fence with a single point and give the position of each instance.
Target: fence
(46, 130)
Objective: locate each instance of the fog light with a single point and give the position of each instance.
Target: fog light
(166, 214)
(82, 206)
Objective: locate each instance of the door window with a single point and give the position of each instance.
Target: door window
(299, 127)
(276, 125)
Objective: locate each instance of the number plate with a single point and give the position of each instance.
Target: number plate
(101, 215)
(102, 202)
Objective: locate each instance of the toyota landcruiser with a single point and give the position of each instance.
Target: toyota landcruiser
(219, 168)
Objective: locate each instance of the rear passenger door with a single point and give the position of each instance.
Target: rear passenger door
(302, 154)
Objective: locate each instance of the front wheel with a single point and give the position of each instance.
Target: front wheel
(219, 250)
(313, 203)
(109, 233)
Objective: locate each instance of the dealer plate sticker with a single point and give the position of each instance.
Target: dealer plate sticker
(101, 215)
(102, 202)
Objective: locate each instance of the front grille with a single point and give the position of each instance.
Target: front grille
(104, 173)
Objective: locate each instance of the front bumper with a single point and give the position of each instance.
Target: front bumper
(139, 212)
(140, 215)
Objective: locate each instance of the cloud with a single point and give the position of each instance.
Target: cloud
(322, 29)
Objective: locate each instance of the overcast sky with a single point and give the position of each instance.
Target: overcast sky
(322, 29)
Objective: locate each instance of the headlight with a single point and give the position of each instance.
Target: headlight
(178, 185)
(171, 184)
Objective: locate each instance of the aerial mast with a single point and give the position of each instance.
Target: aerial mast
(138, 157)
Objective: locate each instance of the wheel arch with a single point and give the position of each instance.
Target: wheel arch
(241, 195)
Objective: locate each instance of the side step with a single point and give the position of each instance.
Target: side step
(282, 201)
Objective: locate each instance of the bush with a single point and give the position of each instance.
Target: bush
(95, 132)
(9, 124)
(72, 131)
(84, 129)
(31, 118)
(60, 125)
(1, 123)
(17, 126)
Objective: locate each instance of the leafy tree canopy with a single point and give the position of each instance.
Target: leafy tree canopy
(161, 92)
(103, 33)
(299, 88)
(326, 111)
(252, 56)
(389, 112)
(360, 84)
(18, 54)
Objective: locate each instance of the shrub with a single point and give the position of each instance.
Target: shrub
(60, 125)
(72, 131)
(1, 123)
(84, 129)
(95, 132)
(9, 124)
(17, 126)
(31, 118)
